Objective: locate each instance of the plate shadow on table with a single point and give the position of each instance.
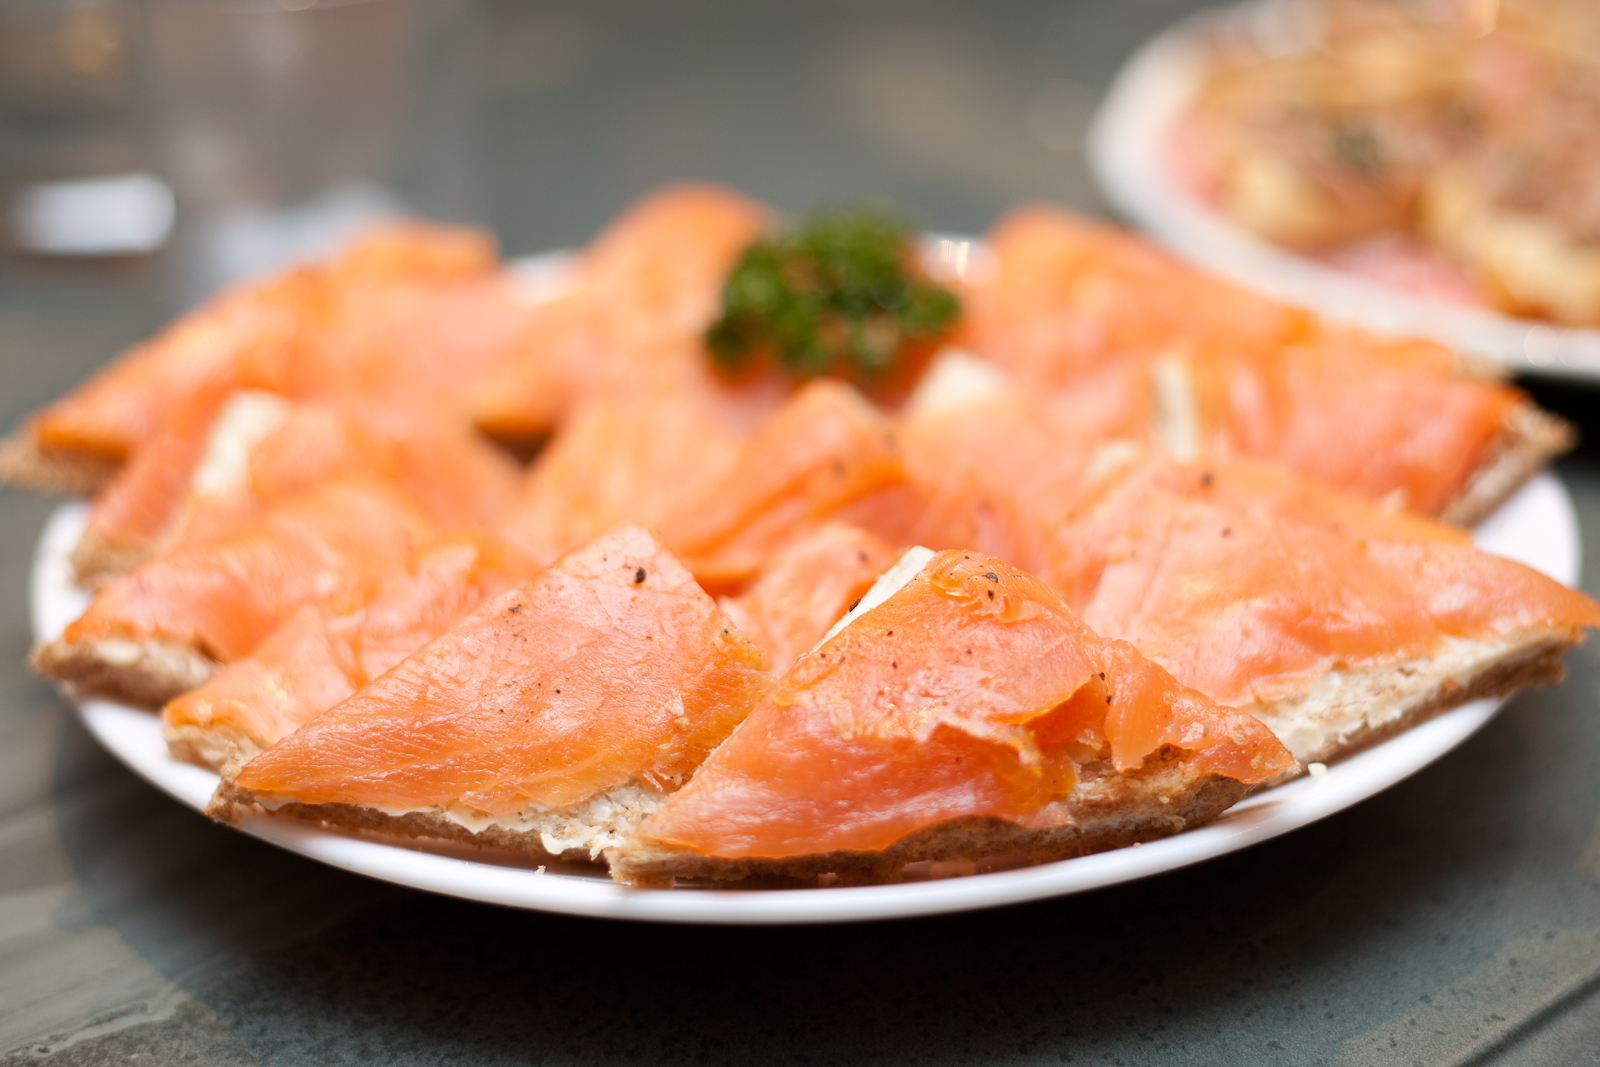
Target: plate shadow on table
(287, 961)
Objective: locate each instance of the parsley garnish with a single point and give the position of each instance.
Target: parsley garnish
(839, 294)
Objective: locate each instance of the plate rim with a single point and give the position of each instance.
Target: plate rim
(133, 737)
(1126, 152)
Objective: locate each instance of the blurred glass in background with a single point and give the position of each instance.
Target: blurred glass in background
(68, 110)
(236, 134)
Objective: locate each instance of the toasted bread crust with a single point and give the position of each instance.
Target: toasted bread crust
(231, 803)
(1106, 810)
(1528, 659)
(1529, 438)
(598, 818)
(25, 465)
(144, 673)
(220, 748)
(94, 561)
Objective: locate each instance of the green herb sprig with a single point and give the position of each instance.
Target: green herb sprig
(838, 294)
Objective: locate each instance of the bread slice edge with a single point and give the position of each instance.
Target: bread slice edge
(1347, 711)
(589, 826)
(1110, 811)
(143, 672)
(1529, 438)
(220, 748)
(62, 472)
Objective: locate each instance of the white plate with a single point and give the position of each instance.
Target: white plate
(1537, 526)
(1128, 152)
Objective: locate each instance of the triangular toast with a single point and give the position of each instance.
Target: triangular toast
(556, 715)
(1335, 621)
(168, 625)
(325, 651)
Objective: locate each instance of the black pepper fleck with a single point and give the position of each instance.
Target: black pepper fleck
(992, 576)
(854, 606)
(638, 576)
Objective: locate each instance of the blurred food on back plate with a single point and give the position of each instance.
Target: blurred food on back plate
(1447, 142)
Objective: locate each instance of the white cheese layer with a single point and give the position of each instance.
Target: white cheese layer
(1333, 710)
(1177, 422)
(605, 819)
(956, 379)
(181, 666)
(248, 417)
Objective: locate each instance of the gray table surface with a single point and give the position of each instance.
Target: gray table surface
(1453, 919)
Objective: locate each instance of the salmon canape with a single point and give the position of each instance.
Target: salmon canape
(201, 476)
(1333, 621)
(826, 452)
(1229, 373)
(962, 712)
(167, 626)
(415, 314)
(326, 651)
(554, 717)
(805, 586)
(642, 295)
(76, 443)
(1384, 420)
(1065, 295)
(616, 459)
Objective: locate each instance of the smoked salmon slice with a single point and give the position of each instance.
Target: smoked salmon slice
(417, 314)
(826, 451)
(1066, 295)
(324, 652)
(132, 516)
(643, 294)
(226, 462)
(129, 401)
(1409, 428)
(1237, 375)
(805, 586)
(425, 342)
(164, 628)
(580, 696)
(615, 460)
(969, 714)
(990, 467)
(1331, 619)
